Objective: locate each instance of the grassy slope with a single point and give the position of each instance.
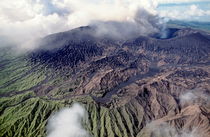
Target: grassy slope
(24, 115)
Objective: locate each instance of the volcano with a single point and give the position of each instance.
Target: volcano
(130, 87)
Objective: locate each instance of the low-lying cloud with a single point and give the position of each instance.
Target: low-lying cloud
(196, 96)
(67, 123)
(144, 23)
(24, 21)
(165, 130)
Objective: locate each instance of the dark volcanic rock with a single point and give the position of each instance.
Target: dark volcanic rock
(68, 55)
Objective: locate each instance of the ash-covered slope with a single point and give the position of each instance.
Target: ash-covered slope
(83, 45)
(139, 87)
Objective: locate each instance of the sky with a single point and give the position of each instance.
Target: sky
(26, 20)
(191, 10)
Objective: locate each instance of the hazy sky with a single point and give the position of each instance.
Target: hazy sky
(25, 20)
(192, 10)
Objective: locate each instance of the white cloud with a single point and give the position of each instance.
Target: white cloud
(196, 96)
(195, 11)
(19, 10)
(85, 11)
(166, 130)
(25, 20)
(179, 1)
(191, 12)
(67, 123)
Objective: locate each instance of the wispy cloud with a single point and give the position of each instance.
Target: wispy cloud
(195, 96)
(165, 130)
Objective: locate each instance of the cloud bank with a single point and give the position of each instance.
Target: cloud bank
(165, 130)
(189, 12)
(24, 21)
(195, 96)
(180, 1)
(67, 123)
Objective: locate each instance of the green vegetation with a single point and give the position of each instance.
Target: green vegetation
(19, 75)
(25, 115)
(25, 83)
(114, 122)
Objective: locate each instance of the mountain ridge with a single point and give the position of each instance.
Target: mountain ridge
(125, 85)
